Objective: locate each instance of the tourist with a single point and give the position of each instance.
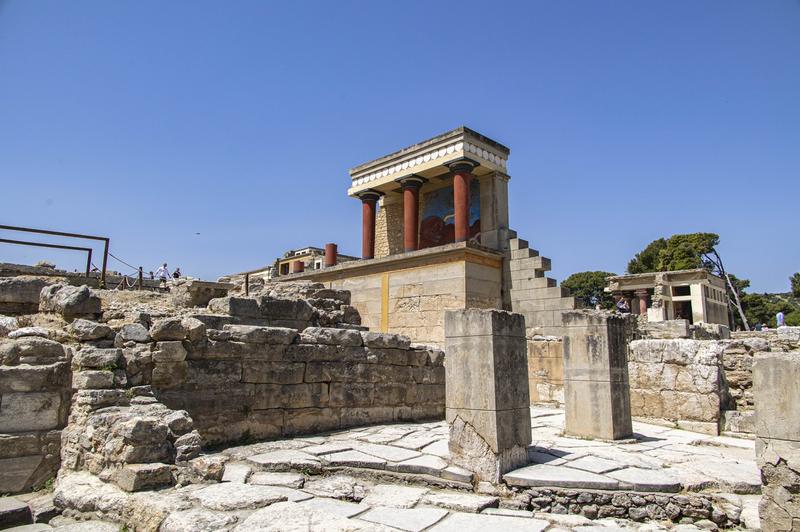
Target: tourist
(780, 319)
(177, 273)
(152, 275)
(757, 327)
(163, 273)
(623, 306)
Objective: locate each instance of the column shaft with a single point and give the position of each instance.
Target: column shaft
(368, 226)
(461, 180)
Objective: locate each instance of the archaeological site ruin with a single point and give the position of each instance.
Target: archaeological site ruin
(440, 382)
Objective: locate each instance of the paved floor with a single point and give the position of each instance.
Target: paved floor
(276, 486)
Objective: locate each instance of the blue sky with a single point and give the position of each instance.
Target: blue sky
(152, 121)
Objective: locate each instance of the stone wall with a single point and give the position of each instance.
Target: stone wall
(408, 293)
(546, 370)
(34, 404)
(677, 382)
(250, 382)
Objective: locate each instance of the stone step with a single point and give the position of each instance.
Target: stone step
(536, 282)
(524, 253)
(518, 295)
(531, 263)
(517, 243)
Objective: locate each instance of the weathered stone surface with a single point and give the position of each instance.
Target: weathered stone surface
(424, 464)
(23, 412)
(385, 340)
(355, 459)
(69, 301)
(195, 329)
(261, 335)
(20, 295)
(286, 480)
(461, 502)
(138, 477)
(235, 306)
(7, 325)
(330, 336)
(410, 519)
(30, 349)
(235, 496)
(776, 378)
(334, 506)
(338, 487)
(288, 516)
(543, 475)
(95, 358)
(195, 520)
(237, 473)
(92, 380)
(134, 332)
(596, 390)
(167, 329)
(487, 390)
(646, 480)
(41, 332)
(27, 378)
(459, 522)
(169, 351)
(13, 512)
(394, 496)
(284, 460)
(86, 330)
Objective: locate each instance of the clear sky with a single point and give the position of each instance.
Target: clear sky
(152, 121)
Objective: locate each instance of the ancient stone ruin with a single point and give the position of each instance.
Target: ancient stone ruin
(442, 382)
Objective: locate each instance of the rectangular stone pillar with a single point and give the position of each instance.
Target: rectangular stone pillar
(487, 401)
(776, 389)
(596, 390)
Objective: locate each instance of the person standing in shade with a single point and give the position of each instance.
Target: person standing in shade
(780, 319)
(177, 273)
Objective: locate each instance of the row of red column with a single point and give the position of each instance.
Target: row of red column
(411, 185)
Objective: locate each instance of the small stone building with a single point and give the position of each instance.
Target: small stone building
(693, 295)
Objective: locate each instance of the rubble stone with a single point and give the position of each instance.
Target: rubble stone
(86, 330)
(69, 301)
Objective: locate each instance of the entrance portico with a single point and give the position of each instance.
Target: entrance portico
(451, 188)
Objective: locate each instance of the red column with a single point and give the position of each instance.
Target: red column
(462, 174)
(331, 252)
(642, 295)
(411, 186)
(368, 200)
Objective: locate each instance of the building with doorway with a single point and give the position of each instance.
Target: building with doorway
(313, 258)
(694, 295)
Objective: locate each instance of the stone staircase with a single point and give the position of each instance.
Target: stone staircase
(533, 294)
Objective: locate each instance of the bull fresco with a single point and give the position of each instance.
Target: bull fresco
(438, 218)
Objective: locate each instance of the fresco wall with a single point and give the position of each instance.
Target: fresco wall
(438, 223)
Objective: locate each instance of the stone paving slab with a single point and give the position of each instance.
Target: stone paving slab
(394, 496)
(408, 519)
(543, 475)
(335, 507)
(456, 522)
(646, 480)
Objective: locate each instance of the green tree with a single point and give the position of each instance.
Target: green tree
(647, 259)
(795, 282)
(588, 288)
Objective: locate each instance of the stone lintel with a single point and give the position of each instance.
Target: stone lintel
(430, 158)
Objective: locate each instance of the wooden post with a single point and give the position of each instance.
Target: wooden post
(247, 284)
(141, 278)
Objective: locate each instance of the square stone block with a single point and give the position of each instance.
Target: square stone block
(597, 410)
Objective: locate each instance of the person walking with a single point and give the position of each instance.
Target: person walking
(163, 274)
(780, 319)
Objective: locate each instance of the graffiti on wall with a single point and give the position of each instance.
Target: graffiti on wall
(438, 218)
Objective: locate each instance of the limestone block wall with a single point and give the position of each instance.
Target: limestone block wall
(677, 381)
(737, 372)
(408, 295)
(34, 404)
(264, 382)
(546, 370)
